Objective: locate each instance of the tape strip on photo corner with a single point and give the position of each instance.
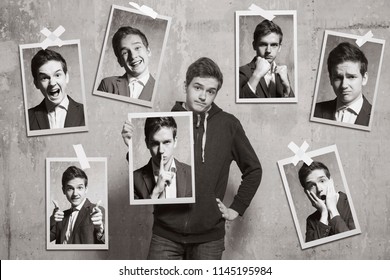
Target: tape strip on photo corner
(363, 39)
(265, 14)
(81, 156)
(145, 9)
(300, 153)
(52, 38)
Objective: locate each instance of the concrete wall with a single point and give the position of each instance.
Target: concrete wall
(199, 28)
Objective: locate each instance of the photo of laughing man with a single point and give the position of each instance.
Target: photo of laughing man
(132, 51)
(58, 109)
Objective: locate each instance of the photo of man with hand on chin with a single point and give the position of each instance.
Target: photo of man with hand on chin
(262, 77)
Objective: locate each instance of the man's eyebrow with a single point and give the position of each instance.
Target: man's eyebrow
(45, 73)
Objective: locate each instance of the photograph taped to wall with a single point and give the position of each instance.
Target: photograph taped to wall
(62, 201)
(155, 143)
(271, 54)
(338, 99)
(326, 190)
(130, 71)
(57, 89)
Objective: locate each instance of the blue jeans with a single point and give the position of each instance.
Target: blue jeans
(165, 249)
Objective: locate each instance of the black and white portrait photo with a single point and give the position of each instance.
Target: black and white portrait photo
(76, 202)
(161, 158)
(347, 81)
(319, 198)
(266, 57)
(53, 87)
(132, 55)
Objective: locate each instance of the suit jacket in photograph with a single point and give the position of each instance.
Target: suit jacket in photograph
(120, 85)
(83, 231)
(262, 90)
(144, 181)
(327, 110)
(344, 222)
(38, 118)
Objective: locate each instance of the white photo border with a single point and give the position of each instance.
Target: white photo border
(178, 200)
(294, 99)
(157, 78)
(82, 90)
(319, 74)
(312, 154)
(62, 247)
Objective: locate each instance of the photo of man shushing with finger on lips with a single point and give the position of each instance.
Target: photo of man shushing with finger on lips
(163, 176)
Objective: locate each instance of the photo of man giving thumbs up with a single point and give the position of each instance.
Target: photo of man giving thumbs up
(83, 222)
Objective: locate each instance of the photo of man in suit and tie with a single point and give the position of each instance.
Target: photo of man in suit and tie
(262, 78)
(347, 68)
(131, 48)
(57, 109)
(83, 222)
(163, 176)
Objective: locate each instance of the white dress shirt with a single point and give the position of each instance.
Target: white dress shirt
(57, 114)
(72, 220)
(348, 114)
(136, 85)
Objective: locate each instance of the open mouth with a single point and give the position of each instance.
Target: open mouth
(136, 63)
(54, 93)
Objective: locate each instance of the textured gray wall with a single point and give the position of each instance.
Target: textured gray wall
(199, 28)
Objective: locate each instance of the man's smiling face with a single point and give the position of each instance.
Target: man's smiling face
(134, 56)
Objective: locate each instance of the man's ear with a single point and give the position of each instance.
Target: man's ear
(67, 77)
(63, 190)
(254, 45)
(175, 142)
(149, 51)
(365, 79)
(36, 83)
(147, 143)
(119, 59)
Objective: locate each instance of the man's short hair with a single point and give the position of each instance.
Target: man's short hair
(152, 125)
(347, 52)
(306, 170)
(122, 33)
(44, 56)
(266, 27)
(71, 173)
(204, 67)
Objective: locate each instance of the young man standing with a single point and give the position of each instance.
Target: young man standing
(347, 67)
(262, 78)
(132, 51)
(196, 231)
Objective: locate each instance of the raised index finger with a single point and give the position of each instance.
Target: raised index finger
(161, 164)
